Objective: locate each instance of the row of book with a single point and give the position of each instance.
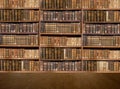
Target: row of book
(60, 53)
(71, 4)
(18, 40)
(19, 15)
(61, 4)
(19, 3)
(101, 41)
(61, 15)
(101, 4)
(60, 41)
(19, 65)
(26, 65)
(101, 28)
(102, 66)
(61, 66)
(18, 27)
(97, 54)
(100, 15)
(60, 28)
(18, 53)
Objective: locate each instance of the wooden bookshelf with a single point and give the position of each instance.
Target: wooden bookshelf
(63, 32)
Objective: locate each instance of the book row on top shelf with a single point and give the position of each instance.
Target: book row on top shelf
(74, 4)
(60, 4)
(19, 3)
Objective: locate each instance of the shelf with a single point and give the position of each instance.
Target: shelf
(19, 33)
(101, 34)
(59, 71)
(107, 9)
(60, 60)
(20, 46)
(22, 8)
(102, 22)
(19, 58)
(87, 59)
(61, 21)
(68, 34)
(62, 9)
(61, 46)
(105, 47)
(101, 71)
(19, 21)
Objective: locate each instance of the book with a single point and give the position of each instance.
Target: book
(103, 54)
(19, 15)
(18, 27)
(101, 16)
(19, 40)
(60, 41)
(61, 4)
(101, 28)
(101, 40)
(61, 66)
(60, 53)
(60, 28)
(61, 15)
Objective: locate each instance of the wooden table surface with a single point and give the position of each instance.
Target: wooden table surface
(59, 81)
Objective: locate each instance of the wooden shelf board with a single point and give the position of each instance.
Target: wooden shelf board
(59, 71)
(107, 9)
(61, 34)
(21, 8)
(60, 21)
(99, 59)
(60, 60)
(101, 46)
(18, 46)
(62, 46)
(19, 58)
(102, 22)
(62, 9)
(94, 34)
(19, 21)
(18, 33)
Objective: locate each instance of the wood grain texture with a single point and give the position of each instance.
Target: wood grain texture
(59, 81)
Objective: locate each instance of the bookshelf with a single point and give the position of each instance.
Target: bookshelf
(60, 36)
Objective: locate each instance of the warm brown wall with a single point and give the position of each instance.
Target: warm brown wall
(59, 81)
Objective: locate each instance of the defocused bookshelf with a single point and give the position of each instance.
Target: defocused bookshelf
(61, 36)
